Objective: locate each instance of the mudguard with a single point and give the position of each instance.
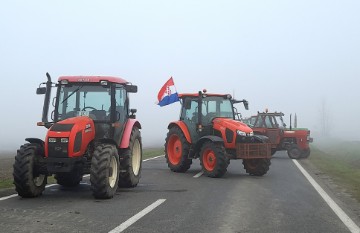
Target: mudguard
(35, 140)
(183, 128)
(125, 141)
(214, 139)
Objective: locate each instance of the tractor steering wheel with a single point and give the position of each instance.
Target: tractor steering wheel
(88, 107)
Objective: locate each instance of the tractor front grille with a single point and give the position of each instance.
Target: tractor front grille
(58, 149)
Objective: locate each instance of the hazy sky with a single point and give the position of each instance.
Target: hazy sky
(287, 56)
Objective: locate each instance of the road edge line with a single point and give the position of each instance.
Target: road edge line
(199, 174)
(156, 157)
(349, 223)
(123, 226)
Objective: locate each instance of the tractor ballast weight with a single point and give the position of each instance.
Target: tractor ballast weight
(208, 130)
(294, 140)
(92, 131)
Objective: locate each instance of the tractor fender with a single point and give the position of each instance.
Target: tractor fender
(183, 128)
(36, 141)
(127, 132)
(202, 140)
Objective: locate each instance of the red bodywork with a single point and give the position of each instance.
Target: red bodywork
(82, 124)
(92, 79)
(127, 132)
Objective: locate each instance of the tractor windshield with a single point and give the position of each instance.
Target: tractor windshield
(93, 101)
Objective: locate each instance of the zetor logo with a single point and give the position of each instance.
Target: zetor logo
(83, 80)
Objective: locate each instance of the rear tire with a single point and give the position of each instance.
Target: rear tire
(176, 151)
(27, 178)
(104, 174)
(305, 153)
(294, 152)
(213, 159)
(130, 166)
(70, 179)
(256, 167)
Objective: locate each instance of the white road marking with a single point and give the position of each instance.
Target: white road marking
(199, 174)
(50, 185)
(338, 211)
(137, 216)
(153, 158)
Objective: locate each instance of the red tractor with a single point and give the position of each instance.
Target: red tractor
(208, 130)
(294, 140)
(92, 131)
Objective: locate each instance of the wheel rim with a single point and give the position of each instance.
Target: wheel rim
(174, 149)
(39, 180)
(136, 157)
(296, 153)
(209, 159)
(113, 174)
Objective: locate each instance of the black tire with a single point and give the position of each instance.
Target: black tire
(130, 165)
(27, 178)
(70, 179)
(256, 167)
(305, 153)
(177, 150)
(104, 172)
(213, 159)
(294, 152)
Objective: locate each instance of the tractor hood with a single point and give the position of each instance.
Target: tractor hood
(231, 124)
(69, 137)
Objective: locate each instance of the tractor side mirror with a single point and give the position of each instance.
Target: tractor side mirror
(133, 111)
(187, 104)
(246, 104)
(41, 90)
(131, 88)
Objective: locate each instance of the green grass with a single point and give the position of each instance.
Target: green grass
(152, 152)
(340, 161)
(7, 181)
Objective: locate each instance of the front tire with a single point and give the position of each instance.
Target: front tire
(213, 159)
(305, 153)
(176, 151)
(28, 180)
(104, 174)
(294, 152)
(131, 165)
(256, 167)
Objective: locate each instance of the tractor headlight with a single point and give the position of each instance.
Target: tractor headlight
(241, 133)
(52, 140)
(251, 134)
(64, 140)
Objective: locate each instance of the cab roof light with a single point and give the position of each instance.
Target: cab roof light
(64, 81)
(104, 83)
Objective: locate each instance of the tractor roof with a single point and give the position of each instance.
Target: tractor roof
(93, 79)
(271, 113)
(182, 95)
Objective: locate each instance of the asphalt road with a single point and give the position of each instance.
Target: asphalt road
(281, 201)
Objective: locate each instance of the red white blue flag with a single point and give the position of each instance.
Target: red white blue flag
(168, 94)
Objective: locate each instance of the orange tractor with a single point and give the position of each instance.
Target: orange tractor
(208, 130)
(93, 131)
(294, 140)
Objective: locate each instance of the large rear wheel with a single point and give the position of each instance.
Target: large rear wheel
(213, 159)
(28, 180)
(176, 151)
(130, 166)
(104, 174)
(256, 167)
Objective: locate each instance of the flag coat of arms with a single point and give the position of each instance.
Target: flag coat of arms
(168, 94)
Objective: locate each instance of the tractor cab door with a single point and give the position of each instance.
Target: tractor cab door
(189, 115)
(119, 111)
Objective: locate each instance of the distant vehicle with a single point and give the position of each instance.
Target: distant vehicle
(294, 140)
(92, 131)
(208, 130)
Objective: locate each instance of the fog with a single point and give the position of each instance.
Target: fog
(289, 56)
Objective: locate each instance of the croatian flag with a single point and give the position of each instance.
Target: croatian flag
(168, 94)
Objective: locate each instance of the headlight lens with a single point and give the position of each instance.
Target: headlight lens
(52, 140)
(241, 133)
(64, 140)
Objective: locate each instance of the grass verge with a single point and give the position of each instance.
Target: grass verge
(341, 162)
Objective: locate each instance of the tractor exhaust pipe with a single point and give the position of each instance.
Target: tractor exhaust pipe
(290, 123)
(47, 100)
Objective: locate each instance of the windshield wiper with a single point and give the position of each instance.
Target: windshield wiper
(76, 90)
